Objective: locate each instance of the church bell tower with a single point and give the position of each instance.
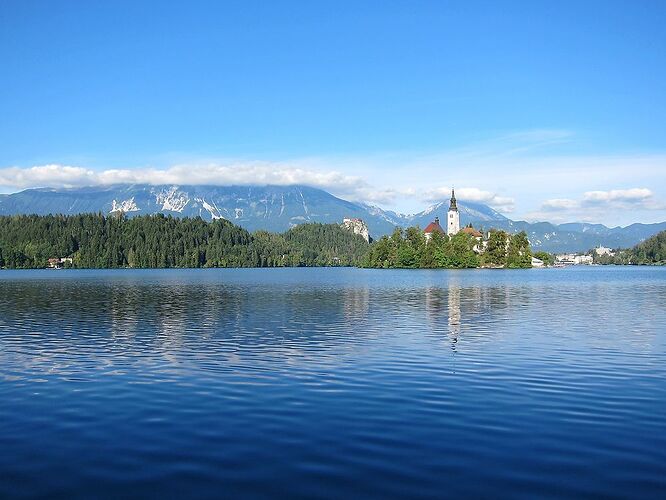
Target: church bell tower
(453, 221)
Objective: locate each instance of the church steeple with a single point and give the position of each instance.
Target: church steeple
(454, 204)
(453, 219)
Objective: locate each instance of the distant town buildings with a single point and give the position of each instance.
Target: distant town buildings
(572, 259)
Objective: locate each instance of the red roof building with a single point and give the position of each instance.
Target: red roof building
(471, 231)
(434, 227)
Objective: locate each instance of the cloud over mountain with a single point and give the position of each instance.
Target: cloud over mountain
(499, 203)
(238, 173)
(214, 174)
(594, 204)
(634, 195)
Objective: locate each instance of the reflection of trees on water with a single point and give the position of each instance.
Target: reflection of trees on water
(227, 322)
(48, 326)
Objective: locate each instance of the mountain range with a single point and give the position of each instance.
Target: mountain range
(277, 208)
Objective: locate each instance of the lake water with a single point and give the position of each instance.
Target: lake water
(333, 383)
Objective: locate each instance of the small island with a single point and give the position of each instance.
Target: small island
(453, 248)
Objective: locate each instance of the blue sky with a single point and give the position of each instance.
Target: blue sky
(532, 107)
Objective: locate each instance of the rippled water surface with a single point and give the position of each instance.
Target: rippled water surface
(333, 383)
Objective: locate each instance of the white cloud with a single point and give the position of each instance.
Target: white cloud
(46, 176)
(500, 203)
(560, 204)
(595, 205)
(530, 165)
(351, 187)
(211, 173)
(634, 195)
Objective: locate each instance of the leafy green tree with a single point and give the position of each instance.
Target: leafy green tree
(458, 252)
(519, 254)
(496, 249)
(547, 258)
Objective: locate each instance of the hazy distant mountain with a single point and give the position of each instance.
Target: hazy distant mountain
(477, 214)
(273, 208)
(277, 208)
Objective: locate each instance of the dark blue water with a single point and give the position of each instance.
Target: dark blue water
(333, 383)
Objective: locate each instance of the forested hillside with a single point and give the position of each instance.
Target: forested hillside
(651, 251)
(158, 241)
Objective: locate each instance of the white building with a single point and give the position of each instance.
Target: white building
(585, 260)
(604, 251)
(453, 222)
(572, 259)
(537, 262)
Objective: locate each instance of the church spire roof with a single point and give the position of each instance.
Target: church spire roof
(454, 204)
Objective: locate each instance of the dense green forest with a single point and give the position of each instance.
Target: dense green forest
(158, 241)
(650, 251)
(409, 249)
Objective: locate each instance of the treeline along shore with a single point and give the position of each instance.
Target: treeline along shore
(159, 241)
(651, 252)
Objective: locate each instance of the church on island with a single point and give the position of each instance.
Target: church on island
(452, 223)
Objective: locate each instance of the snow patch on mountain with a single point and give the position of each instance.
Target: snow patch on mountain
(172, 199)
(213, 210)
(431, 208)
(305, 206)
(478, 215)
(390, 217)
(124, 206)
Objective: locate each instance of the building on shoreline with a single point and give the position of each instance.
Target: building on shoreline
(59, 262)
(572, 259)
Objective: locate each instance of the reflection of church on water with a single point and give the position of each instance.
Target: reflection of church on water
(460, 312)
(443, 311)
(454, 314)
